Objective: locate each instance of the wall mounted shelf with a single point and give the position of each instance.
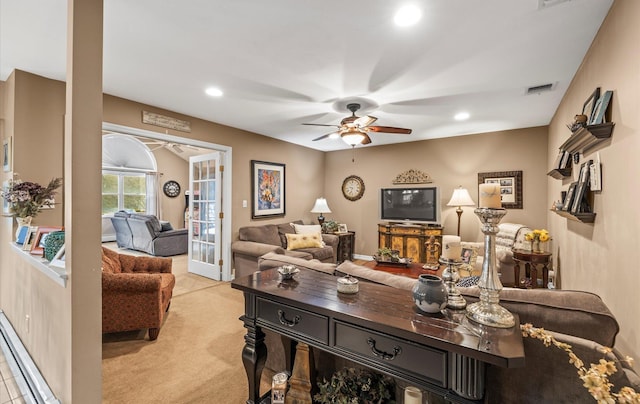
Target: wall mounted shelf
(588, 137)
(578, 217)
(560, 173)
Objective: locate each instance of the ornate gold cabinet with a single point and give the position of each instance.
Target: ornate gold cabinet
(408, 239)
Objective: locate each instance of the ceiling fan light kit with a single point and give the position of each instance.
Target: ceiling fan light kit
(354, 129)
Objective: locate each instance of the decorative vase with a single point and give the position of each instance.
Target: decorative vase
(536, 247)
(22, 221)
(430, 294)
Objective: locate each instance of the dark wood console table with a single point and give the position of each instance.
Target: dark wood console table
(379, 327)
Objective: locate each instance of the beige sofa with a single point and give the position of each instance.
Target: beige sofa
(255, 241)
(578, 318)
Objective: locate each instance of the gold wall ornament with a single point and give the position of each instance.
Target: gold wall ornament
(163, 121)
(413, 177)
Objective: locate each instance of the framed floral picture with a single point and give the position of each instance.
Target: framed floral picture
(267, 189)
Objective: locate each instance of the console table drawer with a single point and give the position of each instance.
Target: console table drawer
(389, 351)
(294, 321)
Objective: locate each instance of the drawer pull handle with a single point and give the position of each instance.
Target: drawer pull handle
(381, 354)
(289, 323)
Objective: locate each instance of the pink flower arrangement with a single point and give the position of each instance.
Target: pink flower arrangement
(27, 198)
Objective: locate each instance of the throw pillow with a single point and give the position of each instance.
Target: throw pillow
(309, 240)
(307, 228)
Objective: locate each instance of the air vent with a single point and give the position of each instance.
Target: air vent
(540, 89)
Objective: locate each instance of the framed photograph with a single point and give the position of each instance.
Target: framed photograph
(468, 257)
(28, 240)
(342, 228)
(6, 206)
(267, 189)
(583, 183)
(6, 154)
(601, 108)
(58, 260)
(590, 103)
(510, 186)
(569, 198)
(37, 248)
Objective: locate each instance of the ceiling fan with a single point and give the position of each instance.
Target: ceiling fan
(169, 145)
(354, 130)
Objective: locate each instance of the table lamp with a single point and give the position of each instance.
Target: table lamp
(321, 207)
(460, 198)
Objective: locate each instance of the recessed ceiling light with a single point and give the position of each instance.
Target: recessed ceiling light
(461, 116)
(407, 15)
(214, 92)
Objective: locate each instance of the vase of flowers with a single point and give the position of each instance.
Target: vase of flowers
(26, 199)
(537, 238)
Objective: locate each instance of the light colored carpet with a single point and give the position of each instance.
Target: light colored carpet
(197, 357)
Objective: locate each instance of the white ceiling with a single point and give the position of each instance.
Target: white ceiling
(284, 62)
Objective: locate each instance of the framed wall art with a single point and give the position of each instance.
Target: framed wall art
(510, 186)
(37, 248)
(590, 104)
(267, 189)
(6, 154)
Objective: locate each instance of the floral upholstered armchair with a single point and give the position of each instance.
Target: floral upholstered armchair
(136, 292)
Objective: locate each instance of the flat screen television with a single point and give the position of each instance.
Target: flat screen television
(411, 205)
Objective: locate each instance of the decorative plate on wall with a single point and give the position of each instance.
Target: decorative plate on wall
(171, 189)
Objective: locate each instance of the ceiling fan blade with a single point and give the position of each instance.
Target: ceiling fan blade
(366, 139)
(320, 124)
(324, 136)
(365, 121)
(388, 129)
(156, 148)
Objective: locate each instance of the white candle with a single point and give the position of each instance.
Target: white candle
(451, 248)
(490, 196)
(412, 395)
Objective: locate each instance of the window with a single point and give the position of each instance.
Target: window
(123, 191)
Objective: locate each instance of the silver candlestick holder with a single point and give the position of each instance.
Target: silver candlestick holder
(450, 276)
(487, 310)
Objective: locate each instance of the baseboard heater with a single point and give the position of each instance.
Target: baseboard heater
(31, 383)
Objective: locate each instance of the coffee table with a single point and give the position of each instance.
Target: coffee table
(413, 270)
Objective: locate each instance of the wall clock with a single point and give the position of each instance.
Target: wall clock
(171, 189)
(353, 188)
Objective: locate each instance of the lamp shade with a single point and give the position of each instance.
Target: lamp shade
(321, 206)
(461, 197)
(353, 139)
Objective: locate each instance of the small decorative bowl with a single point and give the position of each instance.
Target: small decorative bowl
(348, 284)
(287, 271)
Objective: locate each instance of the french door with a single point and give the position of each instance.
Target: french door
(205, 218)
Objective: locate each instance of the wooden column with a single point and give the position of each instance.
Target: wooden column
(302, 375)
(82, 196)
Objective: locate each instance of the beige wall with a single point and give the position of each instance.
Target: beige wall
(172, 167)
(599, 257)
(450, 162)
(34, 118)
(304, 166)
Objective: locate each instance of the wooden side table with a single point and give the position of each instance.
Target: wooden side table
(531, 261)
(346, 244)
